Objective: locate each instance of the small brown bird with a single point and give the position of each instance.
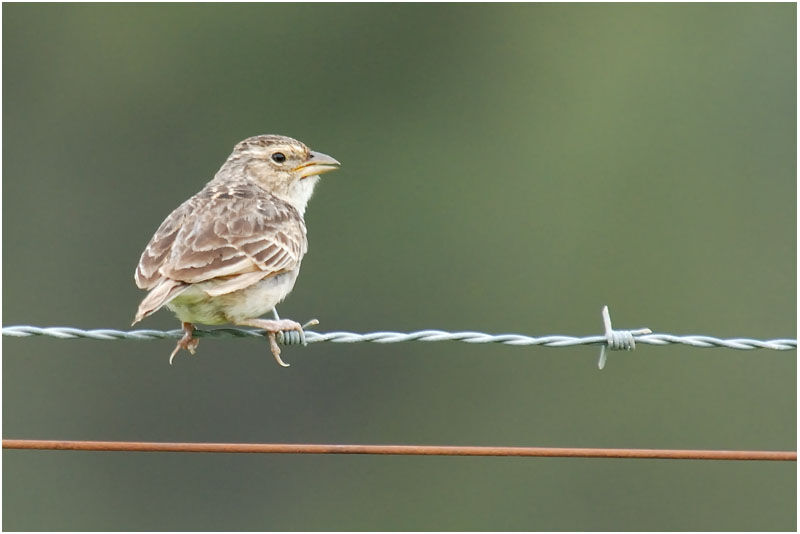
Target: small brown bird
(233, 251)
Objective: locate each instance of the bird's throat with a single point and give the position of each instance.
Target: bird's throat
(300, 192)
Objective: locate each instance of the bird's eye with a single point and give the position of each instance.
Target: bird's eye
(278, 157)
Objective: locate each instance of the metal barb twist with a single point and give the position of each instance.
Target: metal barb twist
(294, 337)
(617, 339)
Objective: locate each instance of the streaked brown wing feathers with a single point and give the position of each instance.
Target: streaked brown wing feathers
(158, 249)
(233, 230)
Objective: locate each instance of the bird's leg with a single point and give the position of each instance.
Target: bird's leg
(188, 341)
(273, 326)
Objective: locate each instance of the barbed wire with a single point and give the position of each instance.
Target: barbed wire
(701, 341)
(612, 339)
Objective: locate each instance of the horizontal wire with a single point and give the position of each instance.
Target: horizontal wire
(290, 338)
(613, 339)
(416, 450)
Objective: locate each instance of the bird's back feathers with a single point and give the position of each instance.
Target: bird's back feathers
(233, 233)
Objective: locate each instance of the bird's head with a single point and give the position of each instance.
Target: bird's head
(281, 165)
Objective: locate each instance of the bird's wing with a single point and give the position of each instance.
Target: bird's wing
(157, 251)
(222, 232)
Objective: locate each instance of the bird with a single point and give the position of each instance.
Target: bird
(233, 251)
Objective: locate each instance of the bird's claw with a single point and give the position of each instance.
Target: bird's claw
(276, 350)
(312, 322)
(188, 341)
(274, 327)
(286, 325)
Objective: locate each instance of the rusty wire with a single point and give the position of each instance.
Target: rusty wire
(417, 450)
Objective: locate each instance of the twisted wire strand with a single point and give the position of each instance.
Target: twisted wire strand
(293, 338)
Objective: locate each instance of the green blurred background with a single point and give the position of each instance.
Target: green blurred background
(505, 168)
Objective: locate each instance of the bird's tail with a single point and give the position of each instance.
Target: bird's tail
(162, 293)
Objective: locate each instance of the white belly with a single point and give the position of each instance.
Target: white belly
(195, 305)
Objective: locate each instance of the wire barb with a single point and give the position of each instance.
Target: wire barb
(295, 337)
(617, 339)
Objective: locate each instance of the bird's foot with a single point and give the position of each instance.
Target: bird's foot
(188, 341)
(272, 327)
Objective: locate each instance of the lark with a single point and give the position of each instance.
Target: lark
(232, 252)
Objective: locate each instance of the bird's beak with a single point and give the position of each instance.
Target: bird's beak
(316, 164)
